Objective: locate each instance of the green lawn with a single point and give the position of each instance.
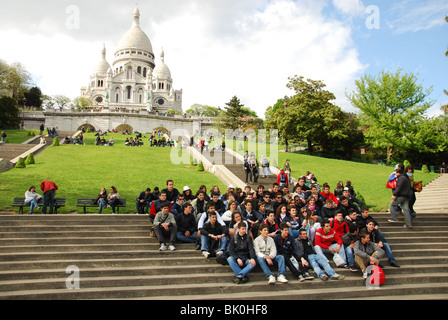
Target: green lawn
(369, 180)
(81, 171)
(19, 136)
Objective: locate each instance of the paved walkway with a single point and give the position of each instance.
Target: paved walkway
(434, 196)
(235, 166)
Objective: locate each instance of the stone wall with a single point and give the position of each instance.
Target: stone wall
(142, 121)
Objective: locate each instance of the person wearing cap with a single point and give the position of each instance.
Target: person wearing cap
(32, 198)
(188, 195)
(230, 189)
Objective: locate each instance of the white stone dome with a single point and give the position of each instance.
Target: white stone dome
(161, 70)
(103, 66)
(135, 38)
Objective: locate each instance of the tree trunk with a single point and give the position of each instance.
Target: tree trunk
(310, 146)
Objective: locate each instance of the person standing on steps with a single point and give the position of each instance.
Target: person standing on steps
(49, 189)
(265, 165)
(401, 196)
(287, 168)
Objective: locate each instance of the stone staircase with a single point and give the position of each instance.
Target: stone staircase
(434, 196)
(117, 259)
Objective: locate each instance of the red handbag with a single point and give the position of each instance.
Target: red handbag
(391, 184)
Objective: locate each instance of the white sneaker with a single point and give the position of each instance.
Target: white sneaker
(271, 279)
(162, 247)
(205, 253)
(281, 278)
(171, 247)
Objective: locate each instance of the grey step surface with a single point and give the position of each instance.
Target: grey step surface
(118, 260)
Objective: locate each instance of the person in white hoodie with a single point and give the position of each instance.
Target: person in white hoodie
(32, 198)
(266, 253)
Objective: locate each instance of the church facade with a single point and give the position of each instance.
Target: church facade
(135, 80)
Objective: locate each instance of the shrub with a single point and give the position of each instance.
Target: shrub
(56, 142)
(21, 163)
(30, 159)
(200, 167)
(425, 169)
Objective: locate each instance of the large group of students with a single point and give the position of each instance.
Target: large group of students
(299, 229)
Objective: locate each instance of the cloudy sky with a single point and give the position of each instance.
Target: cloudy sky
(217, 49)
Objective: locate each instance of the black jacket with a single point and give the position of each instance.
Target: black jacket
(403, 188)
(287, 246)
(241, 247)
(186, 223)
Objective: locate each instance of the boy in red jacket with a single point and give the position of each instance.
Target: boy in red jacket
(339, 225)
(327, 241)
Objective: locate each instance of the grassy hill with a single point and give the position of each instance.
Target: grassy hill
(81, 171)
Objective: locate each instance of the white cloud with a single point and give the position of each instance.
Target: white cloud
(350, 7)
(214, 50)
(416, 15)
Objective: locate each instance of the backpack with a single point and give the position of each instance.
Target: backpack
(283, 178)
(375, 277)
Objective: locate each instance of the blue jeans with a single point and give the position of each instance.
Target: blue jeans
(237, 269)
(322, 252)
(32, 203)
(388, 251)
(266, 171)
(350, 256)
(204, 243)
(280, 260)
(316, 261)
(191, 239)
(102, 204)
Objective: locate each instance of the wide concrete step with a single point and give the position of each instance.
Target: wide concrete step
(347, 293)
(73, 228)
(79, 234)
(225, 289)
(75, 241)
(118, 260)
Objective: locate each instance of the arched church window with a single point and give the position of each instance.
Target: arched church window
(145, 72)
(139, 70)
(129, 92)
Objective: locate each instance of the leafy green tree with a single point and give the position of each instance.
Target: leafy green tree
(14, 79)
(33, 97)
(9, 114)
(200, 110)
(393, 110)
(61, 101)
(308, 116)
(82, 103)
(232, 114)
